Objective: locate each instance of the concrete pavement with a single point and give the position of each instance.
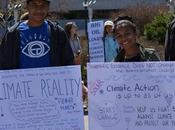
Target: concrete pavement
(86, 122)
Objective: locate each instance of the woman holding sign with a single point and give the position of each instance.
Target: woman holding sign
(110, 43)
(126, 35)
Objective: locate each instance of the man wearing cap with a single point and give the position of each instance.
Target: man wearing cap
(35, 42)
(110, 44)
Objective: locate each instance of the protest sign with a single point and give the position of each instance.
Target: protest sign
(96, 47)
(131, 96)
(41, 99)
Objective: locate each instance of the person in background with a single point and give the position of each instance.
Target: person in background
(170, 41)
(35, 42)
(71, 31)
(85, 98)
(2, 27)
(85, 91)
(1, 18)
(131, 51)
(110, 44)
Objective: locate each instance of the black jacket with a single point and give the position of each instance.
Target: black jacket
(60, 54)
(170, 42)
(146, 54)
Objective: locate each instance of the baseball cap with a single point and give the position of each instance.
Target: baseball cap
(108, 23)
(71, 24)
(45, 0)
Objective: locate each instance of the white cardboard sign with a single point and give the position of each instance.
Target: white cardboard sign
(131, 96)
(95, 35)
(41, 99)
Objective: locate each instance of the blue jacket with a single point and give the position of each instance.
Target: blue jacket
(111, 47)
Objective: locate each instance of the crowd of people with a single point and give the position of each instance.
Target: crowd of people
(37, 42)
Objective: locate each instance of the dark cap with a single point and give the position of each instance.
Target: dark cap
(44, 0)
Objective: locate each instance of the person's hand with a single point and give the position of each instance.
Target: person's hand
(85, 92)
(77, 59)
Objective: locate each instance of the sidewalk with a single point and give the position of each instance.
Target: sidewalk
(86, 122)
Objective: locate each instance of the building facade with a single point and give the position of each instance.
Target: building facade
(73, 5)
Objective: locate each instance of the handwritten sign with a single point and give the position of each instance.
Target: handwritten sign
(96, 47)
(41, 99)
(131, 96)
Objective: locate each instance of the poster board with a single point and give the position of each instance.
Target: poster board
(41, 99)
(131, 96)
(95, 36)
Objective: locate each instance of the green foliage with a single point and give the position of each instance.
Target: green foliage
(84, 74)
(156, 30)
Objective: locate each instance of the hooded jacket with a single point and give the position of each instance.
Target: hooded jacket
(146, 54)
(170, 42)
(60, 54)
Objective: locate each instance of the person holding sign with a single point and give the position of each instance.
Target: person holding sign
(71, 30)
(110, 44)
(126, 35)
(35, 42)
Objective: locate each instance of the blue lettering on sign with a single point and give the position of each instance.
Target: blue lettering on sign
(95, 32)
(95, 39)
(16, 90)
(95, 25)
(55, 87)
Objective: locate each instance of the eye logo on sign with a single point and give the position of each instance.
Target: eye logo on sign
(36, 49)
